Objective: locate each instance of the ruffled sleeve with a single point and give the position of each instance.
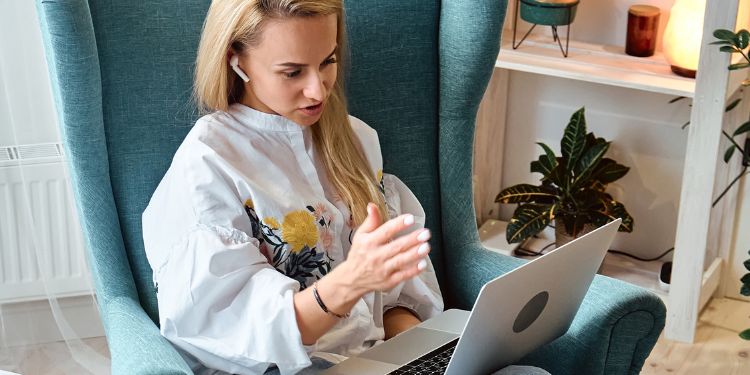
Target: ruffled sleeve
(421, 294)
(219, 298)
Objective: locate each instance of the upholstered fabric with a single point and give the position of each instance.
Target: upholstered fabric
(121, 74)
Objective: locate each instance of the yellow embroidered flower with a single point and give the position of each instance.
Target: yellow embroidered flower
(249, 203)
(380, 174)
(272, 222)
(299, 230)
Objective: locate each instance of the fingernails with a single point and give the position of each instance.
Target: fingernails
(409, 219)
(422, 250)
(424, 236)
(422, 264)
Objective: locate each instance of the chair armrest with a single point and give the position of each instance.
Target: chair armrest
(613, 332)
(135, 344)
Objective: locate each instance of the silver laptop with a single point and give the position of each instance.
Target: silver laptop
(513, 315)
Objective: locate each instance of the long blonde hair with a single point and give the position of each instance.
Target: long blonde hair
(238, 25)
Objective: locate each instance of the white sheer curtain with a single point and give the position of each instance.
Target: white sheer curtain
(47, 311)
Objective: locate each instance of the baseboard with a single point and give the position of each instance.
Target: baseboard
(32, 322)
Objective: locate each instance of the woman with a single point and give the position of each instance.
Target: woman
(252, 218)
(269, 235)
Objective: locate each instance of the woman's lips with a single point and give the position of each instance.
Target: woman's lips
(313, 110)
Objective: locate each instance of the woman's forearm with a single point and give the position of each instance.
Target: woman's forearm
(336, 293)
(397, 320)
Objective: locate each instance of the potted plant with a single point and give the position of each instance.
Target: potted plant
(572, 191)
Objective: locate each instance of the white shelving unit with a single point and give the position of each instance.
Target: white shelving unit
(595, 63)
(694, 278)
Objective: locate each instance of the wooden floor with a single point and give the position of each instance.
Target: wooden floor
(717, 348)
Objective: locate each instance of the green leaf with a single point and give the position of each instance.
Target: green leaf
(745, 290)
(744, 128)
(559, 176)
(745, 335)
(728, 154)
(589, 160)
(743, 37)
(618, 210)
(732, 105)
(746, 279)
(721, 42)
(728, 49)
(574, 139)
(724, 34)
(598, 218)
(747, 264)
(528, 220)
(536, 167)
(526, 193)
(546, 162)
(609, 171)
(739, 66)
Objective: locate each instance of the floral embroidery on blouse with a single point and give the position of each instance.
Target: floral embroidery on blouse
(294, 241)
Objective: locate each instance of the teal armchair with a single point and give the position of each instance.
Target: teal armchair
(121, 74)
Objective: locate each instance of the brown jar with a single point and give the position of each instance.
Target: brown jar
(643, 25)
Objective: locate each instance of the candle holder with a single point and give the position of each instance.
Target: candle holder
(551, 13)
(643, 25)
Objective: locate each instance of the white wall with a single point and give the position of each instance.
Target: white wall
(24, 81)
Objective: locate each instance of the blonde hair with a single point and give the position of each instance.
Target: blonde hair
(238, 25)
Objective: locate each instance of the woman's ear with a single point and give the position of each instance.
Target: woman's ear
(234, 62)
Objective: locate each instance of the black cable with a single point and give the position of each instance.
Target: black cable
(642, 259)
(531, 253)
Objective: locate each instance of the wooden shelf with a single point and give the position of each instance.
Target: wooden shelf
(602, 64)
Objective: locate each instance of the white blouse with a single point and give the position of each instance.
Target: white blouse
(244, 218)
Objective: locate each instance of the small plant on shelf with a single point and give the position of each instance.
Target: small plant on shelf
(572, 191)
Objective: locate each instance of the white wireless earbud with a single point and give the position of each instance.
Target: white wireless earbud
(234, 62)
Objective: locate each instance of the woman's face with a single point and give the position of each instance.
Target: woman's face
(293, 69)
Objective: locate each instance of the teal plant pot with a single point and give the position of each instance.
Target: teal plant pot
(549, 12)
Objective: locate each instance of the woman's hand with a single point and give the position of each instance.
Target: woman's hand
(375, 262)
(378, 262)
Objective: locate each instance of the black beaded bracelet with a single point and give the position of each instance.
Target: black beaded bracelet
(323, 305)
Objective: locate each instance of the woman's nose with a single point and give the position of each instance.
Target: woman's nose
(315, 88)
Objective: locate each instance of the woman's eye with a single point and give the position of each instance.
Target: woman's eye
(329, 61)
(292, 74)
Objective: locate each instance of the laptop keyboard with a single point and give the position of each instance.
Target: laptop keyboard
(434, 362)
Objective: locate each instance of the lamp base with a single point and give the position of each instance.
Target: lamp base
(690, 73)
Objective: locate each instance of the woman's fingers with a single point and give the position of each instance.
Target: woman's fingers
(372, 222)
(390, 228)
(406, 274)
(414, 257)
(405, 242)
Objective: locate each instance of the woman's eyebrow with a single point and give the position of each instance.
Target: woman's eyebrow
(298, 65)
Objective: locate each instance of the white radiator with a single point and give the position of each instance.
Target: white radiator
(41, 252)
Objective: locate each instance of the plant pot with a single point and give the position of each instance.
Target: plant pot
(548, 12)
(562, 237)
